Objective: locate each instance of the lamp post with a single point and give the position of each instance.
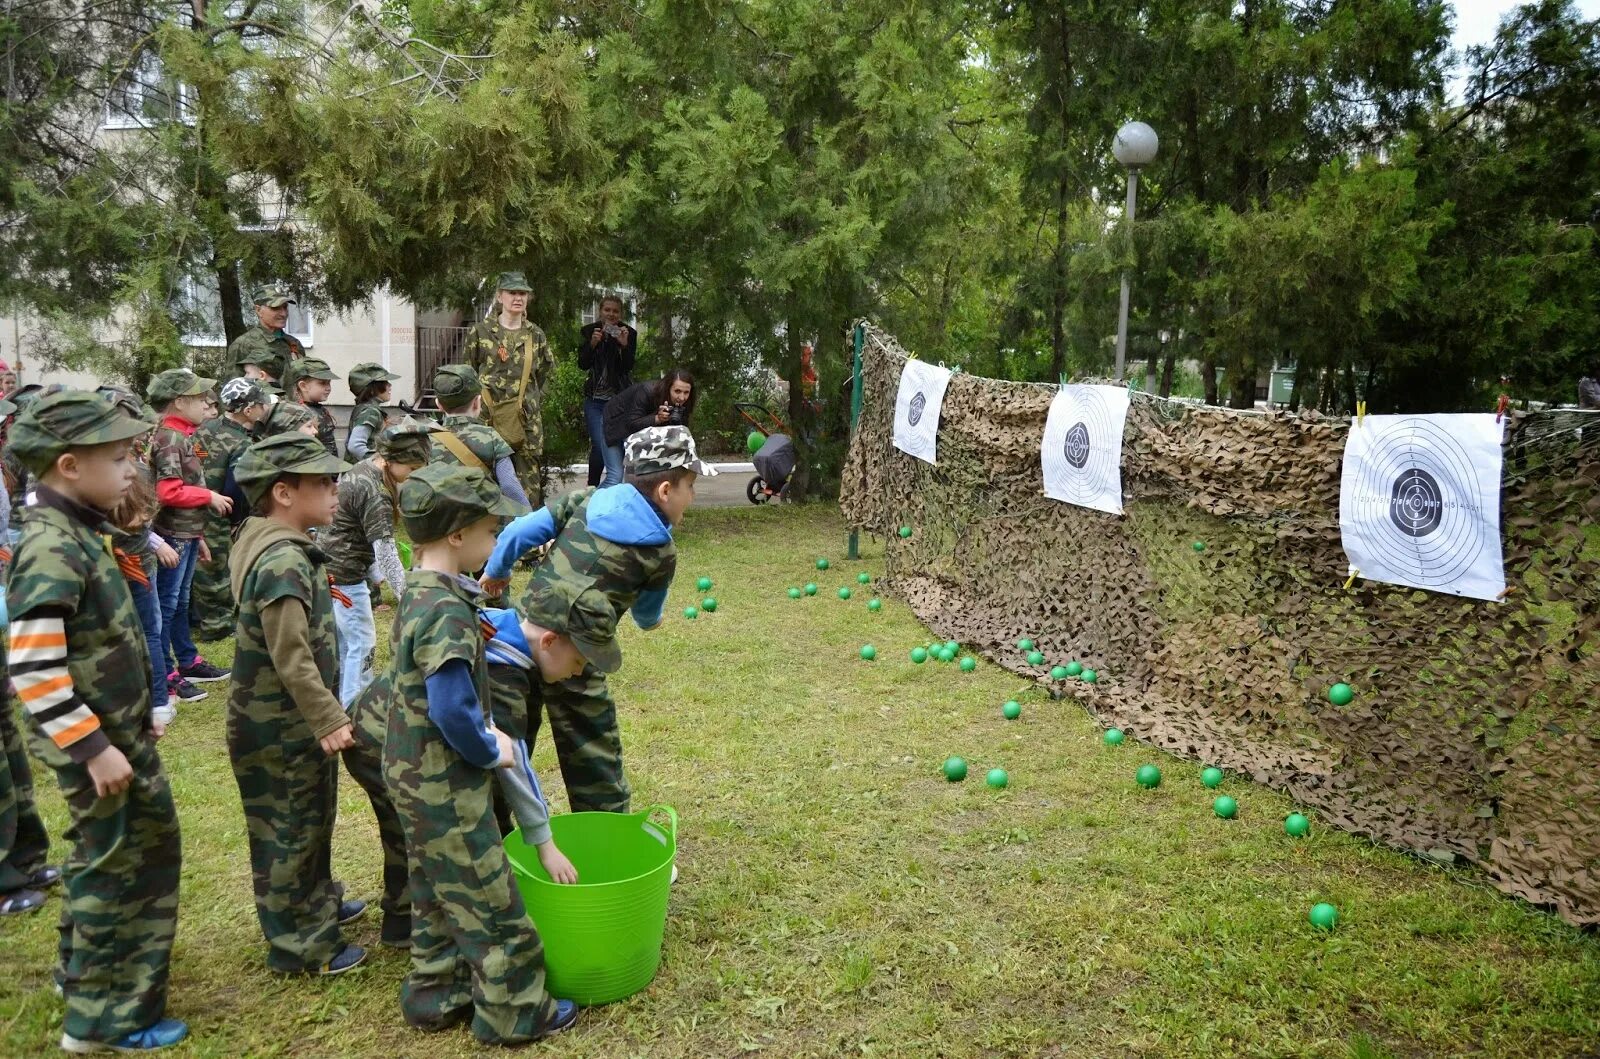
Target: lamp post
(1135, 147)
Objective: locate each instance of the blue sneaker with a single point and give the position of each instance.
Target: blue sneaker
(349, 958)
(350, 911)
(566, 1014)
(163, 1034)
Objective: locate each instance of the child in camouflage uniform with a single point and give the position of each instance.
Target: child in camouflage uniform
(621, 538)
(284, 723)
(81, 668)
(218, 443)
(471, 442)
(370, 384)
(474, 952)
(309, 382)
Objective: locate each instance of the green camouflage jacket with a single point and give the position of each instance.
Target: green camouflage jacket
(498, 356)
(365, 514)
(621, 571)
(218, 443)
(172, 455)
(479, 437)
(258, 338)
(325, 427)
(367, 414)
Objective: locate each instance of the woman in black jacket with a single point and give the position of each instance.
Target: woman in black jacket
(607, 350)
(657, 403)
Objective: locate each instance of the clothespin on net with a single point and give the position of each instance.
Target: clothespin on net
(1503, 405)
(1361, 412)
(1351, 580)
(1504, 592)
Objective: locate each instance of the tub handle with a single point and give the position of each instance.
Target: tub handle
(672, 818)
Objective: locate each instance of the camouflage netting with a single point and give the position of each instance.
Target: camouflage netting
(1475, 731)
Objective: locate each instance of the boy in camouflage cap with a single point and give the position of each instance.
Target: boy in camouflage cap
(219, 443)
(80, 665)
(362, 534)
(284, 723)
(474, 952)
(621, 538)
(179, 395)
(309, 382)
(470, 441)
(369, 383)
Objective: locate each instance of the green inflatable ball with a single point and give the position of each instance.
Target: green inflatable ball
(794, 593)
(1089, 676)
(1036, 658)
(997, 779)
(844, 593)
(754, 441)
(1024, 644)
(946, 655)
(709, 604)
(955, 769)
(868, 653)
(811, 588)
(1011, 710)
(1324, 916)
(690, 613)
(1113, 737)
(822, 564)
(874, 605)
(1148, 777)
(1225, 807)
(1058, 672)
(704, 584)
(919, 655)
(1295, 825)
(1341, 694)
(954, 646)
(968, 664)
(1198, 546)
(1074, 669)
(1212, 778)
(863, 578)
(905, 531)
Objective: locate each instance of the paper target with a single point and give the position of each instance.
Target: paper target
(917, 406)
(1081, 451)
(1419, 502)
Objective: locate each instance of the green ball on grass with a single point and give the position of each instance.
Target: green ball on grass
(794, 593)
(919, 655)
(868, 653)
(709, 604)
(704, 584)
(955, 769)
(1225, 807)
(1036, 658)
(811, 588)
(1324, 916)
(997, 779)
(1212, 777)
(1113, 737)
(1296, 825)
(863, 578)
(690, 613)
(1148, 777)
(1011, 710)
(822, 564)
(968, 664)
(874, 605)
(844, 593)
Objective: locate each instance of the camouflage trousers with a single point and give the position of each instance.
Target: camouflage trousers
(24, 843)
(529, 466)
(583, 723)
(290, 793)
(474, 951)
(211, 610)
(121, 908)
(511, 705)
(364, 762)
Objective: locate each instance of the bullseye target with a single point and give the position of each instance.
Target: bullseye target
(1419, 502)
(917, 406)
(1081, 452)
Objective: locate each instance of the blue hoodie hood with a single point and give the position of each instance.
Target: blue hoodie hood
(509, 646)
(622, 515)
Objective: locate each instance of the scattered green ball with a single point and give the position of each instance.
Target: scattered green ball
(1198, 546)
(1341, 694)
(844, 593)
(811, 588)
(822, 564)
(946, 655)
(1113, 737)
(1024, 644)
(863, 578)
(1011, 710)
(1148, 777)
(968, 664)
(1225, 807)
(919, 655)
(905, 531)
(1058, 672)
(704, 584)
(1036, 658)
(1211, 777)
(953, 645)
(709, 604)
(874, 605)
(868, 653)
(997, 779)
(794, 593)
(1089, 676)
(690, 613)
(1074, 668)
(955, 769)
(1324, 916)
(1295, 825)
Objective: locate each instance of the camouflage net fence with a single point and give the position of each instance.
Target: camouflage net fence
(1475, 732)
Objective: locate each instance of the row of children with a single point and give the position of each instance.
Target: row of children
(427, 741)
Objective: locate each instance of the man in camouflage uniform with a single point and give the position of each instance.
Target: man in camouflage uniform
(80, 665)
(309, 382)
(471, 442)
(284, 723)
(266, 344)
(514, 363)
(474, 952)
(621, 538)
(218, 443)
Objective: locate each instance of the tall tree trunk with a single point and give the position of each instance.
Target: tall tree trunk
(211, 189)
(1167, 365)
(1242, 386)
(1058, 286)
(1208, 376)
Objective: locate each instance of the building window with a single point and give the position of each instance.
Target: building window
(199, 314)
(145, 96)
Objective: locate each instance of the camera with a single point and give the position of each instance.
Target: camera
(674, 414)
(614, 330)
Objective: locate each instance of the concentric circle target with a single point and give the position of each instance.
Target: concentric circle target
(1091, 452)
(1077, 447)
(918, 403)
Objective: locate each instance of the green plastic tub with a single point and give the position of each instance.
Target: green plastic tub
(602, 936)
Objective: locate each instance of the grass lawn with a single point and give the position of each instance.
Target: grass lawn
(839, 897)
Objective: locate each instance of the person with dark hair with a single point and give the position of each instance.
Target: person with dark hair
(667, 401)
(370, 383)
(607, 350)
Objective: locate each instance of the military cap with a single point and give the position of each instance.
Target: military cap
(69, 418)
(23, 396)
(367, 373)
(456, 384)
(241, 393)
(656, 449)
(177, 382)
(307, 368)
(273, 296)
(271, 389)
(408, 441)
(440, 498)
(579, 610)
(266, 461)
(265, 355)
(513, 281)
(129, 402)
(287, 417)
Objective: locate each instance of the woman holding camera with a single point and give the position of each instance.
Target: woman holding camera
(607, 350)
(661, 402)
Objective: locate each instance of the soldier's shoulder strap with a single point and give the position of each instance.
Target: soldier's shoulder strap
(452, 441)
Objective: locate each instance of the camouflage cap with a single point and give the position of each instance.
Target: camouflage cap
(23, 396)
(175, 383)
(656, 449)
(70, 418)
(440, 498)
(273, 296)
(266, 461)
(408, 441)
(367, 373)
(129, 402)
(513, 281)
(307, 368)
(286, 417)
(265, 356)
(239, 394)
(456, 385)
(579, 610)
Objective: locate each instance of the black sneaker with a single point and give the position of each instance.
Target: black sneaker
(203, 672)
(350, 911)
(185, 690)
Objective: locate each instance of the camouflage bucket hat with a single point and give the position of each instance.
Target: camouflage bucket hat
(440, 498)
(579, 610)
(239, 394)
(367, 373)
(308, 368)
(456, 385)
(513, 281)
(408, 441)
(265, 462)
(273, 296)
(175, 383)
(656, 449)
(52, 425)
